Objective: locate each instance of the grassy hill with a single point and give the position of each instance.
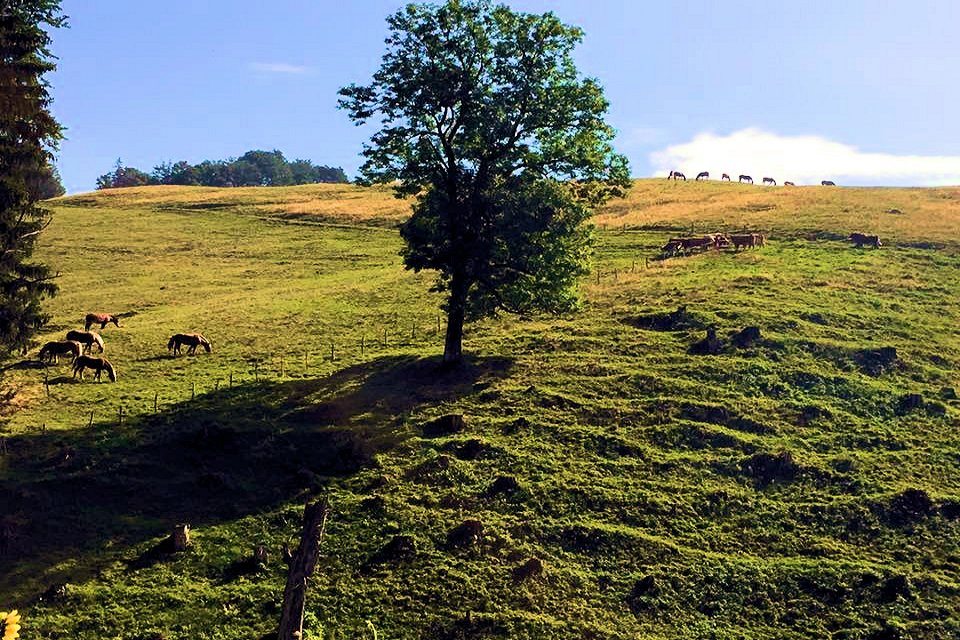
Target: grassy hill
(803, 486)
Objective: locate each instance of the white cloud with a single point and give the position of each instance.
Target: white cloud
(279, 67)
(801, 159)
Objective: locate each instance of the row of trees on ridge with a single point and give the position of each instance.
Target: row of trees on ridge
(252, 169)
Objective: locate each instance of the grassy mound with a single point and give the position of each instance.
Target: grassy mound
(609, 480)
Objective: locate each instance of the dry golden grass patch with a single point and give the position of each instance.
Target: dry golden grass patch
(898, 215)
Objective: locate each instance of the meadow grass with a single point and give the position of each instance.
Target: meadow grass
(787, 489)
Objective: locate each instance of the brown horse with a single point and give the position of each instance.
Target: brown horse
(103, 319)
(703, 174)
(97, 364)
(747, 240)
(770, 181)
(861, 239)
(87, 339)
(193, 340)
(726, 177)
(53, 350)
(745, 178)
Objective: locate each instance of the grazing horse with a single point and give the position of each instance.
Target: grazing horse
(87, 339)
(744, 178)
(103, 319)
(193, 340)
(747, 240)
(770, 181)
(703, 174)
(676, 175)
(788, 184)
(828, 183)
(97, 364)
(53, 350)
(861, 239)
(726, 177)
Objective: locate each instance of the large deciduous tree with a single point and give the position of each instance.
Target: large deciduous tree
(28, 136)
(485, 119)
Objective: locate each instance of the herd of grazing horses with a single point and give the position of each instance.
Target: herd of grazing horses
(705, 175)
(79, 343)
(695, 244)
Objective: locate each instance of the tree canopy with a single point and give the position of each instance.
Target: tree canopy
(485, 119)
(28, 136)
(253, 169)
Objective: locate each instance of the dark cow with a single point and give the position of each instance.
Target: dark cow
(861, 239)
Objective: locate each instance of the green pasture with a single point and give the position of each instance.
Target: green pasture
(804, 486)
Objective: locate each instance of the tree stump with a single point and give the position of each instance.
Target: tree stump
(260, 556)
(302, 564)
(180, 537)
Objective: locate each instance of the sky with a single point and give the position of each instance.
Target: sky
(862, 92)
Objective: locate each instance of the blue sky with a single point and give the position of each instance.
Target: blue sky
(859, 91)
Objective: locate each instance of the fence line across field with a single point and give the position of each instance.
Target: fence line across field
(339, 351)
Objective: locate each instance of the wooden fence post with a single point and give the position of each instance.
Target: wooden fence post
(156, 397)
(91, 420)
(302, 564)
(362, 345)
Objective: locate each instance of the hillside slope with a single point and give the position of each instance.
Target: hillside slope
(805, 485)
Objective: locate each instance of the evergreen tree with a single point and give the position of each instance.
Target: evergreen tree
(28, 136)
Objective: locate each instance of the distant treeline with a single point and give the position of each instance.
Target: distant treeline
(252, 169)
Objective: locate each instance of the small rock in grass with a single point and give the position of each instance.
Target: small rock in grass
(710, 345)
(529, 570)
(399, 548)
(467, 534)
(504, 484)
(471, 449)
(444, 426)
(895, 587)
(874, 362)
(642, 589)
(766, 468)
(910, 506)
(908, 403)
(747, 337)
(950, 509)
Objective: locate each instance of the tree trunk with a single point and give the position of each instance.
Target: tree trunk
(456, 308)
(302, 565)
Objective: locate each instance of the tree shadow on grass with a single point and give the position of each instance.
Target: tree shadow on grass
(219, 457)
